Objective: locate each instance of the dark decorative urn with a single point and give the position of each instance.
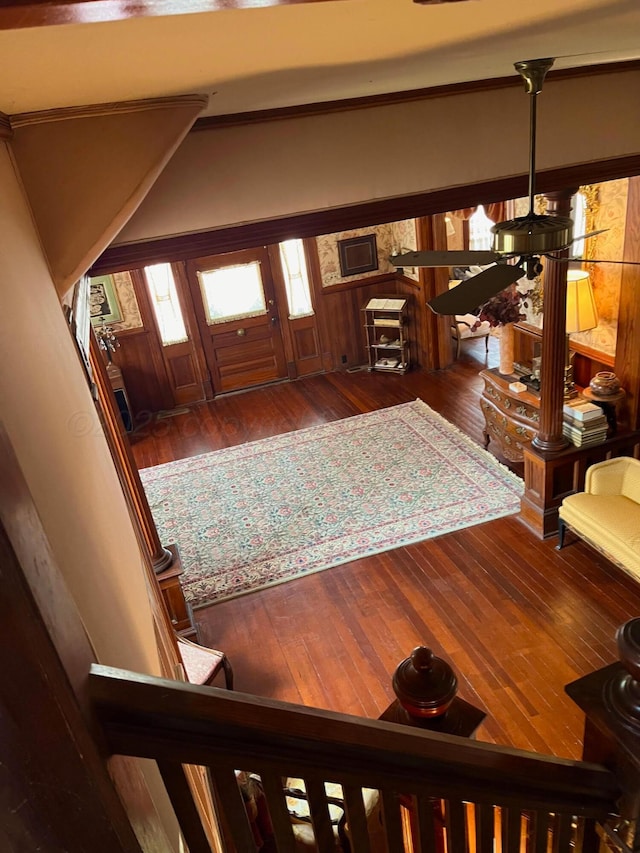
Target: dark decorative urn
(424, 684)
(604, 384)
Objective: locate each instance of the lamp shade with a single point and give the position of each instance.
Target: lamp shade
(581, 306)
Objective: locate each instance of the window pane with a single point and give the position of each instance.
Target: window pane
(164, 298)
(232, 293)
(296, 280)
(579, 216)
(480, 236)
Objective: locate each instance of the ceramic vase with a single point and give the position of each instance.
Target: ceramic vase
(507, 336)
(605, 384)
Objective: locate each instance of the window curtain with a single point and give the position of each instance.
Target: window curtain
(497, 211)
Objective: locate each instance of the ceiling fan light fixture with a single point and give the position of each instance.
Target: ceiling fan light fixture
(532, 235)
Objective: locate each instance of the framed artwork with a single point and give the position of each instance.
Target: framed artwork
(79, 321)
(103, 302)
(358, 255)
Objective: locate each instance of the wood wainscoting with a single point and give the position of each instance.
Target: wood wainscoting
(234, 356)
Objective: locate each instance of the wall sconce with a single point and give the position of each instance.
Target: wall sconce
(581, 315)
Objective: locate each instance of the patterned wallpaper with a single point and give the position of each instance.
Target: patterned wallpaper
(605, 278)
(131, 318)
(390, 236)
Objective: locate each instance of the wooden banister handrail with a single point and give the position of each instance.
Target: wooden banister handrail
(176, 722)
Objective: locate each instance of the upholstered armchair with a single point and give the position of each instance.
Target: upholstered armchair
(462, 328)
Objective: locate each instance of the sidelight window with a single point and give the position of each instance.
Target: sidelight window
(166, 305)
(296, 279)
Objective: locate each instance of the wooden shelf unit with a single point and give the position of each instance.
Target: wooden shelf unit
(385, 324)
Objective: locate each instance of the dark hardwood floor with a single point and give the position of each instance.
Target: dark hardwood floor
(516, 619)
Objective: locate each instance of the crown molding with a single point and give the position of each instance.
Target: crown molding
(385, 99)
(116, 108)
(6, 131)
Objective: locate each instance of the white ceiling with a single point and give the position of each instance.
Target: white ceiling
(262, 58)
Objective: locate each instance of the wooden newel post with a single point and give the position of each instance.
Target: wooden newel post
(610, 699)
(426, 690)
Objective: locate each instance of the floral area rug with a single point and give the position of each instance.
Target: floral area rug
(259, 514)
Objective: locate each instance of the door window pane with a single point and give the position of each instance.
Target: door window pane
(232, 293)
(166, 306)
(296, 279)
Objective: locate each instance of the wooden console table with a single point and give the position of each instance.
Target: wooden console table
(511, 419)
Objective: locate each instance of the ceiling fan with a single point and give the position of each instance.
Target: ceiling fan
(525, 239)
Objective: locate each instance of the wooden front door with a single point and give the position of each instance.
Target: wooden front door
(236, 309)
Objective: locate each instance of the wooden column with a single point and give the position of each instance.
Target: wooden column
(548, 475)
(550, 438)
(436, 350)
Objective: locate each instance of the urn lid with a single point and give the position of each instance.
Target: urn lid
(424, 684)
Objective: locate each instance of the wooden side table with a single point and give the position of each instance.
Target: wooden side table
(178, 607)
(120, 392)
(511, 420)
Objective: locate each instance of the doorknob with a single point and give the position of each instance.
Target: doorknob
(274, 320)
(271, 302)
(241, 332)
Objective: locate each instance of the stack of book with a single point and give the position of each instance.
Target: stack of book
(584, 423)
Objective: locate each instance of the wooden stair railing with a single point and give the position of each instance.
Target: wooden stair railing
(493, 798)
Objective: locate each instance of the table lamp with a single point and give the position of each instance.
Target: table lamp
(581, 315)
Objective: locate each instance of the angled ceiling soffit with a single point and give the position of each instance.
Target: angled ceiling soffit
(85, 170)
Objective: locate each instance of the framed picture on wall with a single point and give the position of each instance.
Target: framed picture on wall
(358, 255)
(103, 301)
(79, 322)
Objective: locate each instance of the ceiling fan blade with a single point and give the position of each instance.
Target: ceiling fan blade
(575, 240)
(444, 259)
(473, 292)
(590, 234)
(590, 261)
